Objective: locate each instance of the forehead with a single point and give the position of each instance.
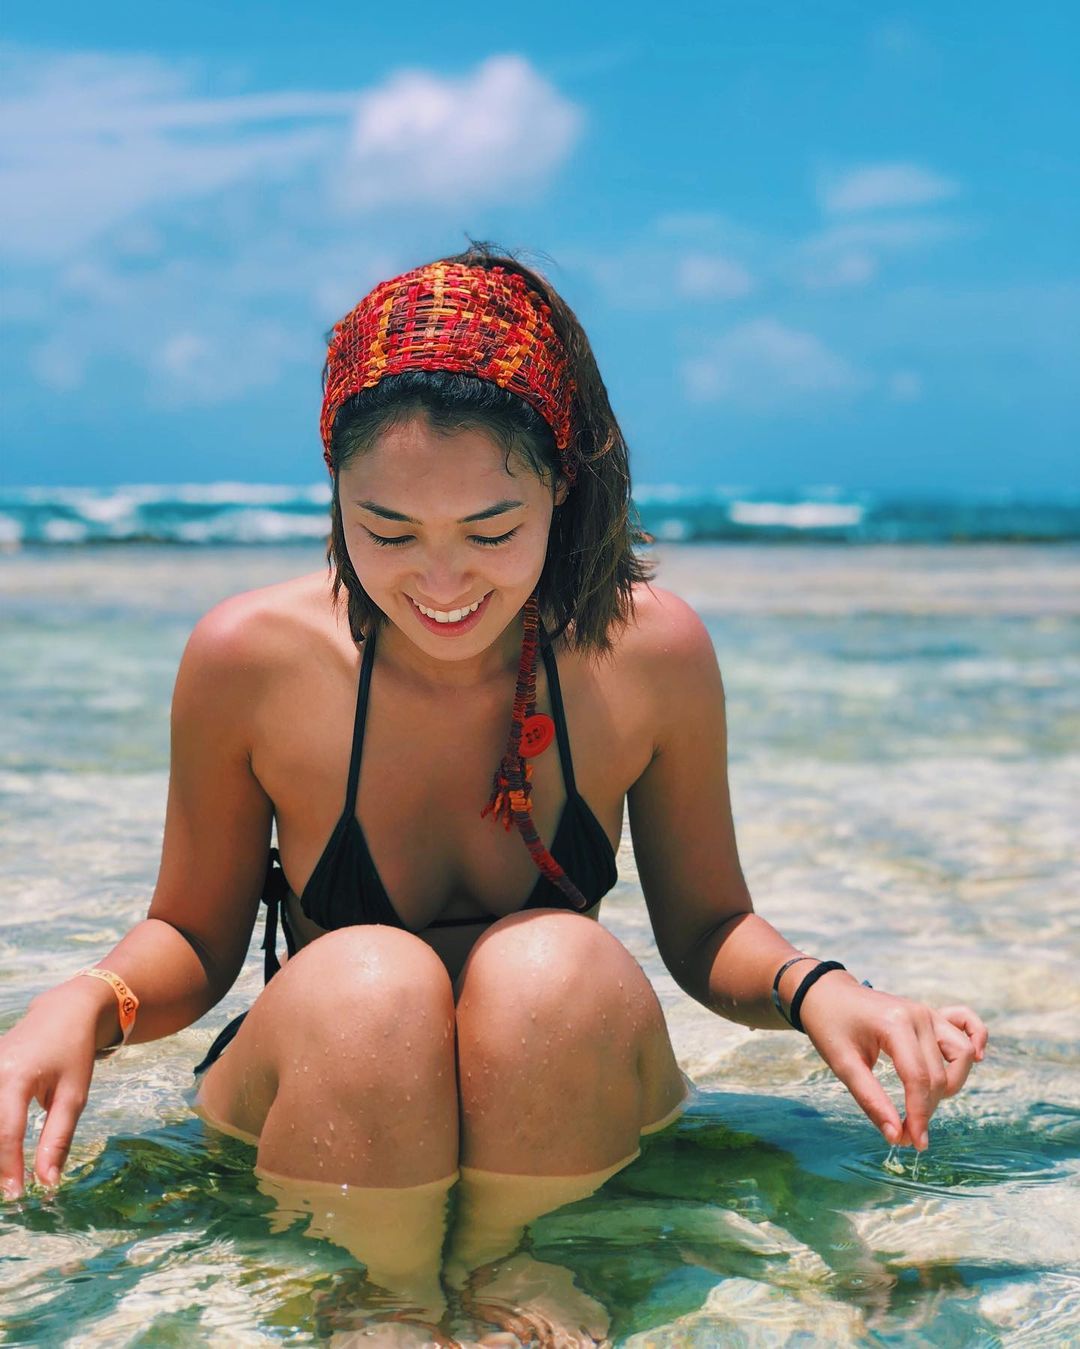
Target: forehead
(412, 466)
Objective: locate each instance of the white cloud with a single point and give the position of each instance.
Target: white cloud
(422, 137)
(764, 363)
(198, 332)
(844, 269)
(57, 366)
(875, 187)
(655, 273)
(206, 367)
(702, 276)
(905, 386)
(90, 142)
(849, 254)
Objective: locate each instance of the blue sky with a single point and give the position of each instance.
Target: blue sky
(827, 243)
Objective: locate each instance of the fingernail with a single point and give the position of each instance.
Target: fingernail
(891, 1132)
(12, 1190)
(924, 1141)
(53, 1176)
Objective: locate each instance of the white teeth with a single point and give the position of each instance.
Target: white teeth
(451, 616)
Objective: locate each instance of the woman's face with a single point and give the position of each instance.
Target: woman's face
(447, 535)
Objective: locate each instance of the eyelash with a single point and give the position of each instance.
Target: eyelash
(476, 538)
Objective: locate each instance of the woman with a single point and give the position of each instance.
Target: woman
(449, 1007)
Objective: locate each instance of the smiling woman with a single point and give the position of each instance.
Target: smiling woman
(485, 649)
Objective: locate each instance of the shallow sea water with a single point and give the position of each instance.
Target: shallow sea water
(905, 758)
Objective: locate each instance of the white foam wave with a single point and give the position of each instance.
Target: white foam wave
(11, 532)
(800, 515)
(66, 531)
(672, 530)
(252, 526)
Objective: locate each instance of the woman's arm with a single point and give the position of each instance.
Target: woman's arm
(186, 954)
(717, 948)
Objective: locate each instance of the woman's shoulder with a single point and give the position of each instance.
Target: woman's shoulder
(256, 629)
(664, 632)
(661, 666)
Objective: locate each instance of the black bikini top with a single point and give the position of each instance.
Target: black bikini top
(345, 888)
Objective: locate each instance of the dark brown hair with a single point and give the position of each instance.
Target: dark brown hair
(586, 587)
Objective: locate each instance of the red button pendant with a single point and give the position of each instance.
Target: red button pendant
(537, 732)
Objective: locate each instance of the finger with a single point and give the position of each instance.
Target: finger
(973, 1026)
(935, 1069)
(13, 1112)
(55, 1141)
(958, 1052)
(909, 1059)
(871, 1096)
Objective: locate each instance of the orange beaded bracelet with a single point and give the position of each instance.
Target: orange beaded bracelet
(127, 1002)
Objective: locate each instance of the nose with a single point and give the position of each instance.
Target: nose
(445, 576)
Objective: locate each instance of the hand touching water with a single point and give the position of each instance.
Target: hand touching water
(932, 1050)
(48, 1056)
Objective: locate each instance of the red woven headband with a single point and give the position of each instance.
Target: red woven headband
(482, 321)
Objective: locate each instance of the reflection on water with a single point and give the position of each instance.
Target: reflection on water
(904, 731)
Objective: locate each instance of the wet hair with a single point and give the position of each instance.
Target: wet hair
(586, 587)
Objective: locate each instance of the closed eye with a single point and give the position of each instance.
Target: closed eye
(402, 539)
(499, 538)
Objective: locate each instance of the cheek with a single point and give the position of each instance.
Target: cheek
(374, 566)
(521, 559)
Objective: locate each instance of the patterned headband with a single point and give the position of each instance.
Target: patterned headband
(482, 321)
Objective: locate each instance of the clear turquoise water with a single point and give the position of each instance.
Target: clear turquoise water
(905, 727)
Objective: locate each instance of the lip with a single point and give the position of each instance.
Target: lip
(463, 625)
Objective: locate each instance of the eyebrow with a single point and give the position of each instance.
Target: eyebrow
(500, 508)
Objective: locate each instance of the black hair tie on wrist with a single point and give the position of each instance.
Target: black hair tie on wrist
(805, 987)
(795, 960)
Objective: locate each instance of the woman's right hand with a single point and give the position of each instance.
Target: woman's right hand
(48, 1056)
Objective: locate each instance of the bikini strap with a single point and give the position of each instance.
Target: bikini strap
(559, 714)
(358, 722)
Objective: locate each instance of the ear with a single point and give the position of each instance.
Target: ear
(562, 490)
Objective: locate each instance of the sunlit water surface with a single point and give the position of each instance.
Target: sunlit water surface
(904, 760)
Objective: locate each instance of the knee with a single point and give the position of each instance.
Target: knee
(555, 972)
(361, 983)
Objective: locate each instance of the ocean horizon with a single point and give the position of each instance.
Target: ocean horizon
(225, 512)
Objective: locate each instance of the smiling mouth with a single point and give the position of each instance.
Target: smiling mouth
(448, 615)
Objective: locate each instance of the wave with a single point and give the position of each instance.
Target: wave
(201, 514)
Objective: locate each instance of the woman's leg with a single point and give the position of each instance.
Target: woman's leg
(344, 1068)
(343, 1074)
(564, 1060)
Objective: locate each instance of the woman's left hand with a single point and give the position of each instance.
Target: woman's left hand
(931, 1048)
